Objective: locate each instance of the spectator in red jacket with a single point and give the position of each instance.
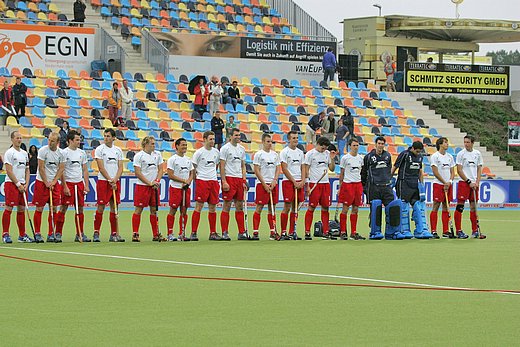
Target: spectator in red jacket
(7, 100)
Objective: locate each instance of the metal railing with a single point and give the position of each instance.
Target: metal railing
(155, 53)
(299, 18)
(111, 51)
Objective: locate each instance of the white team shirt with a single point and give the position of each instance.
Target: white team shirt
(318, 163)
(352, 166)
(444, 163)
(181, 167)
(205, 163)
(470, 162)
(233, 156)
(149, 164)
(51, 161)
(294, 158)
(19, 160)
(74, 160)
(268, 162)
(111, 157)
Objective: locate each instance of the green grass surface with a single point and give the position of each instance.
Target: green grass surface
(51, 305)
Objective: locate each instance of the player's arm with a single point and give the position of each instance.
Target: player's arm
(41, 170)
(332, 164)
(59, 175)
(103, 170)
(479, 175)
(341, 175)
(222, 166)
(258, 174)
(85, 178)
(421, 176)
(141, 177)
(172, 176)
(437, 174)
(191, 177)
(460, 172)
(276, 176)
(364, 171)
(119, 171)
(160, 174)
(10, 173)
(27, 177)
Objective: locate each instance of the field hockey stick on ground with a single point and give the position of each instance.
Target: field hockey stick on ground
(312, 189)
(296, 209)
(480, 235)
(245, 214)
(28, 214)
(449, 215)
(183, 212)
(273, 212)
(51, 211)
(116, 209)
(76, 211)
(159, 236)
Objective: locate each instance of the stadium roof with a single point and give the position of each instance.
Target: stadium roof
(461, 30)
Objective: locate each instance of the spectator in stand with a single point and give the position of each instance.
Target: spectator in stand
(230, 125)
(127, 96)
(217, 126)
(7, 100)
(329, 65)
(314, 125)
(329, 127)
(201, 92)
(64, 131)
(234, 95)
(79, 12)
(20, 97)
(33, 159)
(215, 95)
(348, 121)
(114, 104)
(342, 134)
(390, 68)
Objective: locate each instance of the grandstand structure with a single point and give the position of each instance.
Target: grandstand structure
(163, 106)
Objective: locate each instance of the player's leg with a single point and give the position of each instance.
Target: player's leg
(256, 217)
(392, 215)
(343, 200)
(240, 217)
(463, 194)
(101, 189)
(40, 199)
(212, 219)
(170, 221)
(324, 191)
(284, 216)
(473, 212)
(376, 213)
(81, 216)
(6, 222)
(224, 217)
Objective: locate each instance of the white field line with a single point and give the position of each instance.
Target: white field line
(229, 267)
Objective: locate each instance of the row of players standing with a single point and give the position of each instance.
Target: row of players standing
(372, 174)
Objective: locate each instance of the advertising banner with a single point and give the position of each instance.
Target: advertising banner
(457, 79)
(513, 134)
(492, 193)
(194, 54)
(46, 47)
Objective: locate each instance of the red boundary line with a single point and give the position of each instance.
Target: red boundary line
(237, 279)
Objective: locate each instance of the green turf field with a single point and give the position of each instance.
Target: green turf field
(51, 305)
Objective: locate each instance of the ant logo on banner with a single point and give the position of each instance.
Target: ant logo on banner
(13, 48)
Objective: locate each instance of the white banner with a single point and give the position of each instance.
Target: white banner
(513, 133)
(46, 47)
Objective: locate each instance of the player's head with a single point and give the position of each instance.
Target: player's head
(442, 142)
(148, 144)
(417, 147)
(292, 139)
(354, 146)
(267, 142)
(109, 136)
(181, 146)
(16, 139)
(469, 140)
(54, 140)
(209, 139)
(322, 144)
(235, 136)
(380, 144)
(74, 139)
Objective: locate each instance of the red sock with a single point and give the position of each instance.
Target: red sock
(284, 217)
(154, 224)
(433, 221)
(50, 220)
(113, 223)
(445, 221)
(239, 217)
(256, 221)
(170, 221)
(98, 219)
(293, 223)
(20, 220)
(37, 221)
(182, 219)
(212, 218)
(458, 220)
(195, 219)
(353, 223)
(6, 221)
(136, 220)
(270, 220)
(473, 218)
(325, 221)
(60, 220)
(81, 222)
(224, 221)
(308, 221)
(343, 223)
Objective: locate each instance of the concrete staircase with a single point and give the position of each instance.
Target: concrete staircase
(455, 136)
(5, 139)
(135, 62)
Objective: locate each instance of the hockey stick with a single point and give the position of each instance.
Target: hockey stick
(159, 236)
(312, 189)
(273, 212)
(28, 214)
(76, 210)
(480, 235)
(183, 214)
(51, 208)
(449, 215)
(295, 234)
(116, 210)
(245, 214)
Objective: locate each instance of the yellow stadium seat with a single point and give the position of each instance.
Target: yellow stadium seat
(211, 10)
(150, 77)
(85, 85)
(107, 123)
(35, 133)
(25, 132)
(42, 16)
(182, 7)
(49, 123)
(134, 12)
(10, 14)
(145, 4)
(54, 8)
(49, 112)
(11, 122)
(140, 87)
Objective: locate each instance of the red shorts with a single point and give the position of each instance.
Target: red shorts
(288, 192)
(175, 197)
(438, 193)
(71, 200)
(42, 194)
(320, 195)
(262, 196)
(105, 194)
(13, 197)
(207, 191)
(236, 189)
(350, 194)
(145, 196)
(464, 192)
